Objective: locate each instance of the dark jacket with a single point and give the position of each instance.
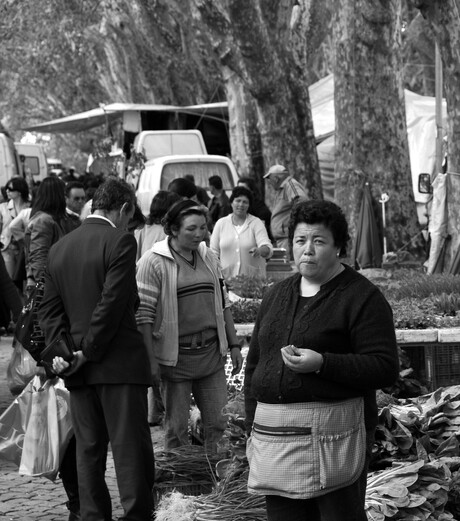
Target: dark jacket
(91, 291)
(348, 321)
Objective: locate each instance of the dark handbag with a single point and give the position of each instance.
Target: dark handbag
(28, 331)
(62, 346)
(24, 323)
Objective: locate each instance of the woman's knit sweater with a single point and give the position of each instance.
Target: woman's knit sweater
(348, 321)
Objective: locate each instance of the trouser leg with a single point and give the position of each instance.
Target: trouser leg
(210, 394)
(176, 396)
(125, 411)
(69, 477)
(91, 439)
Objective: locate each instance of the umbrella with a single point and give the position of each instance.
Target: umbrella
(367, 251)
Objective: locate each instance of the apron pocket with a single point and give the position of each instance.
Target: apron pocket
(272, 460)
(341, 457)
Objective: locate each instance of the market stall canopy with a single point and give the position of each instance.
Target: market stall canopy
(107, 114)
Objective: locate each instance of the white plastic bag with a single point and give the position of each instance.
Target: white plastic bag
(21, 369)
(48, 430)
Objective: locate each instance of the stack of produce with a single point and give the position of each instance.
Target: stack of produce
(415, 491)
(413, 426)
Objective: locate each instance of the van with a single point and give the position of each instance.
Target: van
(34, 160)
(157, 143)
(159, 172)
(9, 160)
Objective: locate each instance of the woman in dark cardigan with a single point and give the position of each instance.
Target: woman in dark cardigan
(323, 342)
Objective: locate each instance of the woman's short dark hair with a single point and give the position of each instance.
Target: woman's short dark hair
(160, 204)
(19, 184)
(321, 212)
(50, 198)
(178, 212)
(241, 191)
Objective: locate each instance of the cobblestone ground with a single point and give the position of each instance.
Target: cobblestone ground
(32, 499)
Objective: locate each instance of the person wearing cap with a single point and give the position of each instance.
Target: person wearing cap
(187, 325)
(288, 192)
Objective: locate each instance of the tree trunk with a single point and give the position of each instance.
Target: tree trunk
(371, 134)
(444, 17)
(253, 39)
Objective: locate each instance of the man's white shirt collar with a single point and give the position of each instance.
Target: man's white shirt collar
(101, 217)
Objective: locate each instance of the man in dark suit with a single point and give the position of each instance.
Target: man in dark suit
(91, 292)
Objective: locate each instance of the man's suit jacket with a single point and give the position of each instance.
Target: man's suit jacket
(91, 291)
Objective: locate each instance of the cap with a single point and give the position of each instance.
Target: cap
(276, 169)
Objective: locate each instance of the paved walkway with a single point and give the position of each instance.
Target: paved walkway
(32, 499)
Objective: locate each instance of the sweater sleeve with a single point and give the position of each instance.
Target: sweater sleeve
(149, 287)
(374, 362)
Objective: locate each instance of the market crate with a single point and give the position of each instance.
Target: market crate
(416, 355)
(442, 364)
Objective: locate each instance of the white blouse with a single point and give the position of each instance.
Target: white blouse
(232, 246)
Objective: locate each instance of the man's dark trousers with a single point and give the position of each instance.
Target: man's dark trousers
(113, 411)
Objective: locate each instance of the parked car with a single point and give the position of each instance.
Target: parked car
(159, 172)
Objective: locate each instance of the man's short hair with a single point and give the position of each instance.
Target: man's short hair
(112, 194)
(216, 182)
(71, 185)
(182, 187)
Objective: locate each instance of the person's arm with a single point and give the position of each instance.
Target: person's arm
(42, 236)
(146, 330)
(9, 292)
(233, 343)
(116, 296)
(215, 239)
(17, 227)
(264, 247)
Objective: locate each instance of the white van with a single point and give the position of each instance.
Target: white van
(9, 160)
(159, 172)
(34, 160)
(157, 143)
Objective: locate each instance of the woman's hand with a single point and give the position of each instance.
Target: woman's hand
(263, 251)
(237, 360)
(63, 368)
(301, 360)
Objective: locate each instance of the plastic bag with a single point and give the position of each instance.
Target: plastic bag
(21, 369)
(48, 431)
(13, 424)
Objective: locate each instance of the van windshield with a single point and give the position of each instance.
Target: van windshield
(158, 145)
(200, 171)
(31, 162)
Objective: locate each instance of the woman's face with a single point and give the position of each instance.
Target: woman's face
(240, 206)
(315, 254)
(11, 193)
(191, 232)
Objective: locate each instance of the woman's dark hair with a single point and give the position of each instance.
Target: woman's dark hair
(321, 212)
(160, 204)
(250, 182)
(178, 212)
(19, 184)
(50, 198)
(241, 191)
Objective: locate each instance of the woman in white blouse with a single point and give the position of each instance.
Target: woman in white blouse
(240, 240)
